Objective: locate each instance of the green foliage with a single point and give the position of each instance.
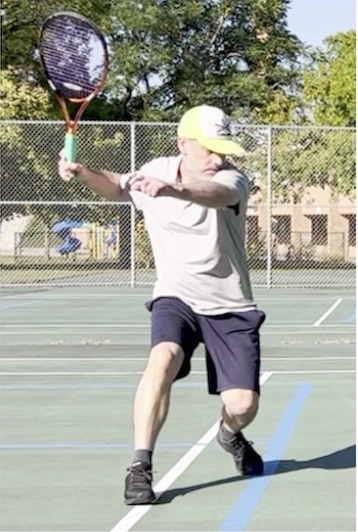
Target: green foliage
(330, 83)
(165, 57)
(21, 99)
(29, 167)
(314, 157)
(306, 157)
(21, 20)
(169, 55)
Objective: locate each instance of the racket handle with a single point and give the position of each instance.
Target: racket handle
(71, 147)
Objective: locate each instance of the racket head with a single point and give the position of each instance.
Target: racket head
(74, 56)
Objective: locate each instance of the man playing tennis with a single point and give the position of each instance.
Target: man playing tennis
(194, 206)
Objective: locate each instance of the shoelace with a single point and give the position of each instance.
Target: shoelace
(237, 444)
(241, 444)
(139, 472)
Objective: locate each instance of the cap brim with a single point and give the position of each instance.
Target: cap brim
(223, 146)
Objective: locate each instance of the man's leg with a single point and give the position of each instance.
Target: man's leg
(174, 337)
(151, 406)
(240, 408)
(233, 361)
(151, 401)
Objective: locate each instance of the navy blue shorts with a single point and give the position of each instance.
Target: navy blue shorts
(232, 342)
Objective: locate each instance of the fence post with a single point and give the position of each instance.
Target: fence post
(132, 222)
(269, 208)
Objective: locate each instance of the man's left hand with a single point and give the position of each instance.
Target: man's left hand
(149, 185)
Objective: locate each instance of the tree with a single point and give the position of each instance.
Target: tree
(21, 20)
(330, 83)
(318, 157)
(30, 151)
(301, 158)
(237, 54)
(165, 56)
(313, 157)
(20, 100)
(168, 55)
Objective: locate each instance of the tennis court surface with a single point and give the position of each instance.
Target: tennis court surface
(71, 359)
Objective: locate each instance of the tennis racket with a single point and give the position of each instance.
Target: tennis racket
(74, 57)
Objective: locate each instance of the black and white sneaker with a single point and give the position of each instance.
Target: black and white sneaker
(247, 460)
(138, 484)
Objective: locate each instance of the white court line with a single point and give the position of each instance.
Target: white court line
(313, 371)
(71, 373)
(66, 324)
(133, 516)
(128, 373)
(327, 313)
(329, 329)
(119, 297)
(144, 359)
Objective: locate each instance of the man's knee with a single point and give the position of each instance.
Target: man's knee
(239, 402)
(164, 362)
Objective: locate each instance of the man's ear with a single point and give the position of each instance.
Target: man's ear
(182, 146)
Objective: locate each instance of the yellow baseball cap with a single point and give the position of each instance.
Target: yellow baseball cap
(211, 128)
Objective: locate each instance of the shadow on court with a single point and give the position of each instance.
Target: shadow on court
(342, 459)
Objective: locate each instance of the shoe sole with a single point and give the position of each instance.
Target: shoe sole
(135, 502)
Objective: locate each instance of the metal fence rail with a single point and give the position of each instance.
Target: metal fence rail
(301, 223)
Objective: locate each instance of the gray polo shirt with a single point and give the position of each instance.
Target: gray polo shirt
(199, 252)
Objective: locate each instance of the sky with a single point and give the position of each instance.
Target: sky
(313, 20)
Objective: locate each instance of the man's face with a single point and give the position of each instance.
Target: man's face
(200, 160)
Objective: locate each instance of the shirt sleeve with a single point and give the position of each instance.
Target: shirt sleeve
(134, 196)
(234, 180)
(158, 167)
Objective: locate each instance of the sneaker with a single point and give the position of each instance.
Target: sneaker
(138, 484)
(247, 460)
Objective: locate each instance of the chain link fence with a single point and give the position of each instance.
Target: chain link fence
(301, 223)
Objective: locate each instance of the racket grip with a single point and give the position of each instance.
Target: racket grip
(71, 147)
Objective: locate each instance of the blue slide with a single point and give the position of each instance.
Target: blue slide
(63, 230)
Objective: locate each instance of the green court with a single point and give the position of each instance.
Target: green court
(71, 359)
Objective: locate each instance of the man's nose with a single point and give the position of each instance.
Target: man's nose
(217, 159)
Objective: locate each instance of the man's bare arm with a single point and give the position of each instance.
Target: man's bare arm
(106, 184)
(206, 193)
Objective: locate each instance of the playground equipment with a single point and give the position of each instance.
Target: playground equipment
(63, 229)
(104, 241)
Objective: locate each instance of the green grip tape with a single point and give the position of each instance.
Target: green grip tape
(71, 148)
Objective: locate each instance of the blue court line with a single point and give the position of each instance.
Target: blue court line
(352, 317)
(15, 305)
(4, 305)
(246, 503)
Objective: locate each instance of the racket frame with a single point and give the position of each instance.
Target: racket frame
(72, 124)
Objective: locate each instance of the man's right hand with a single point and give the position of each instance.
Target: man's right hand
(67, 170)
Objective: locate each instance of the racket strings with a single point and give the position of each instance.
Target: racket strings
(74, 57)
